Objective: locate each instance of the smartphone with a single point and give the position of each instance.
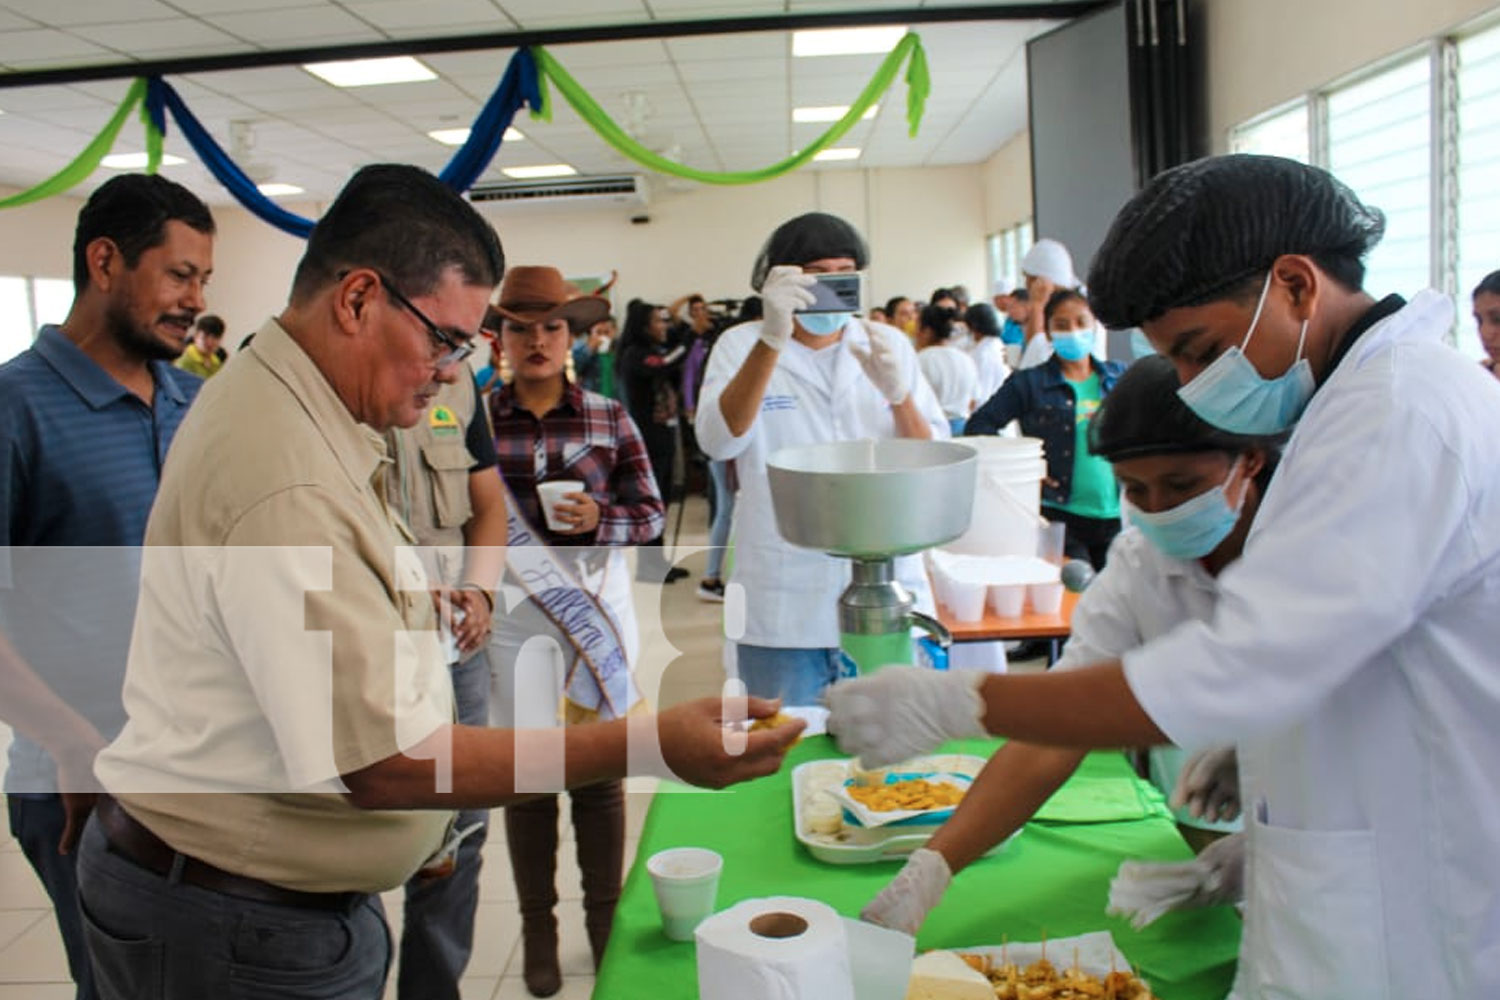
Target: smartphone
(840, 292)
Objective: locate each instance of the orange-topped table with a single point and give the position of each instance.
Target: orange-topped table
(1030, 625)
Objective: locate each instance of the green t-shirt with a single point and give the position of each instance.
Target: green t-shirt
(1094, 491)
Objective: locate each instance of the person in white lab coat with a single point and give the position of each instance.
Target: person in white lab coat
(798, 379)
(1352, 652)
(948, 368)
(1191, 493)
(987, 348)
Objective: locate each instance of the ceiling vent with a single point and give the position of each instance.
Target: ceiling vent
(623, 191)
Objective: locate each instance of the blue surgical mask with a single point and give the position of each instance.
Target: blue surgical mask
(1233, 396)
(1073, 346)
(1193, 529)
(823, 324)
(1140, 346)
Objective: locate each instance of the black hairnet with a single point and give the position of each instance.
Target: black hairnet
(1143, 415)
(1200, 229)
(807, 238)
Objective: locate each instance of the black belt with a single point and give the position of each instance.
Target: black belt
(133, 842)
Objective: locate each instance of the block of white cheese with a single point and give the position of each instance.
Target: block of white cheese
(942, 975)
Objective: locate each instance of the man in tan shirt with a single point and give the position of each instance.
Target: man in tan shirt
(285, 653)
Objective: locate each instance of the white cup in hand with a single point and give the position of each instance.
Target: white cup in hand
(553, 493)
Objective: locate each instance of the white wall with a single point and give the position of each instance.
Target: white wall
(925, 227)
(1262, 53)
(36, 240)
(1007, 184)
(253, 262)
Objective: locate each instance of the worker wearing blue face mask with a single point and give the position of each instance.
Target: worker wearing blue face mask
(1054, 401)
(797, 378)
(1192, 492)
(1352, 653)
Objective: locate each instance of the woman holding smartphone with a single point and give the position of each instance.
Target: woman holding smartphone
(797, 378)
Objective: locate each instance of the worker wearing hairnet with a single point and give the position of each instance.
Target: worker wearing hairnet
(797, 378)
(1352, 651)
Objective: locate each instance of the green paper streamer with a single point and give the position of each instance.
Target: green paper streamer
(918, 86)
(88, 161)
(918, 81)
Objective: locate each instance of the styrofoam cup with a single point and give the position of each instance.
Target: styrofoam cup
(966, 600)
(1046, 598)
(686, 880)
(552, 493)
(1008, 599)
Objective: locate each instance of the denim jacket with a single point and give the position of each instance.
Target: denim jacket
(1044, 403)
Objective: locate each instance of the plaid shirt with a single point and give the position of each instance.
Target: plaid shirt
(587, 437)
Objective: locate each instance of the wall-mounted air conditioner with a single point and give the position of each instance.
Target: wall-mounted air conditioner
(622, 191)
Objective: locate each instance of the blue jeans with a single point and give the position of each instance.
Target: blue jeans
(718, 532)
(156, 938)
(437, 931)
(36, 821)
(797, 676)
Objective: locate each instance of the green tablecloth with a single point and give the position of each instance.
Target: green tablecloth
(1052, 878)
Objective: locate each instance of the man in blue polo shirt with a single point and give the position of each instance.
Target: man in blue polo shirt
(86, 416)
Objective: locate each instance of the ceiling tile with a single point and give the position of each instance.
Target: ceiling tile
(148, 37)
(433, 18)
(718, 48)
(47, 43)
(601, 55)
(201, 7)
(489, 64)
(63, 15)
(757, 72)
(300, 25)
(52, 98)
(256, 81)
(681, 10)
(394, 95)
(15, 22)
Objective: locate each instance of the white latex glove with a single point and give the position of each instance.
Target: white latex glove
(903, 711)
(1144, 890)
(904, 904)
(1209, 785)
(882, 365)
(785, 290)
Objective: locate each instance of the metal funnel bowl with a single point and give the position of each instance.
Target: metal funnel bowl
(873, 499)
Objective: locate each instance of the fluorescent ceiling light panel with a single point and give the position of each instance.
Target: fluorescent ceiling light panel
(371, 72)
(831, 113)
(137, 161)
(459, 136)
(846, 41)
(278, 190)
(837, 153)
(545, 170)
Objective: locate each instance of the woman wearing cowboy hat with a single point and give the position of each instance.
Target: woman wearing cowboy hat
(549, 428)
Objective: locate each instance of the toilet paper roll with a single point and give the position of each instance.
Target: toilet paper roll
(780, 948)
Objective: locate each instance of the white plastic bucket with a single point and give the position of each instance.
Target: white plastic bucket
(1004, 525)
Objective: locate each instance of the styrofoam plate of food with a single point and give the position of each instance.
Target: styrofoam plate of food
(892, 797)
(820, 822)
(1088, 965)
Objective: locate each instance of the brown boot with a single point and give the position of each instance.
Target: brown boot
(599, 827)
(531, 835)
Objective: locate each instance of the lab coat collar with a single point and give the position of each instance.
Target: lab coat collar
(1428, 316)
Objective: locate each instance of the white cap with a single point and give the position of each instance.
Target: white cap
(1050, 259)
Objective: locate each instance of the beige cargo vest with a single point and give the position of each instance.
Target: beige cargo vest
(429, 484)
